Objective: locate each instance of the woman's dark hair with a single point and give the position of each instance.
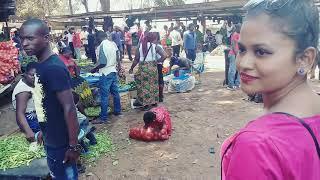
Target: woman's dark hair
(149, 117)
(298, 19)
(30, 66)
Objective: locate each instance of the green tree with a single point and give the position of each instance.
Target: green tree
(39, 8)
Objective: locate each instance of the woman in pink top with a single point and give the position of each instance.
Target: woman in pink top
(277, 49)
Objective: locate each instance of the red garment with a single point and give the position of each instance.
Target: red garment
(235, 39)
(158, 130)
(128, 38)
(70, 63)
(76, 40)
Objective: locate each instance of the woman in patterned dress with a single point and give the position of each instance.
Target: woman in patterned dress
(147, 75)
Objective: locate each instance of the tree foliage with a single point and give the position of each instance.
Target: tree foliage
(164, 3)
(40, 8)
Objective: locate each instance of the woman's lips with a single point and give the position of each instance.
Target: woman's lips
(246, 78)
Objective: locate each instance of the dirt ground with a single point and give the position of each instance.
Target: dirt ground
(202, 119)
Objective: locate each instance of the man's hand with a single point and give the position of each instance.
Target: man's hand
(71, 156)
(30, 137)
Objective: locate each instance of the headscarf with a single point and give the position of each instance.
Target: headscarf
(148, 37)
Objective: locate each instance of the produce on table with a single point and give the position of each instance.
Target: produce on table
(84, 62)
(9, 64)
(15, 152)
(104, 145)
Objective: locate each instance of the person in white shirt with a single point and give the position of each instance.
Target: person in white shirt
(84, 38)
(175, 36)
(219, 38)
(70, 40)
(109, 57)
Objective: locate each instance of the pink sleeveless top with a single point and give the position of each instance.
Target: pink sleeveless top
(273, 147)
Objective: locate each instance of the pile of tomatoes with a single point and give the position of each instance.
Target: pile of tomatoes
(9, 64)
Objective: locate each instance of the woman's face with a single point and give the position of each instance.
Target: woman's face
(29, 76)
(266, 60)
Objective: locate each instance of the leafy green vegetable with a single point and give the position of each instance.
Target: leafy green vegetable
(103, 146)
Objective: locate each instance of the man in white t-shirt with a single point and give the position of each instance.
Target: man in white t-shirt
(109, 57)
(84, 38)
(175, 36)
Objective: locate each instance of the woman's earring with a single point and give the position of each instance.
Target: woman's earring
(301, 71)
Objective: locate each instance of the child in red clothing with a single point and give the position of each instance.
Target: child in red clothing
(157, 126)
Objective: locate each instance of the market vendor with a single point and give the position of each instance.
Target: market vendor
(180, 62)
(66, 57)
(157, 126)
(23, 103)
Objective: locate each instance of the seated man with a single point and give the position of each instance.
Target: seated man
(157, 126)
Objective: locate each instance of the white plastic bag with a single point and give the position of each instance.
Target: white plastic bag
(181, 85)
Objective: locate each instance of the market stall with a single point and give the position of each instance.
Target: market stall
(9, 67)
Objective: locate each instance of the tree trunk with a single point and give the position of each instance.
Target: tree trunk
(85, 3)
(105, 5)
(70, 7)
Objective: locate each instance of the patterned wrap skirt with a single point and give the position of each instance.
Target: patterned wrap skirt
(147, 83)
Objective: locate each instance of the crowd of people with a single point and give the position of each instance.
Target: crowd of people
(282, 144)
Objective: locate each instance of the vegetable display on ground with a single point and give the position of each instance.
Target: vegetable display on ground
(15, 152)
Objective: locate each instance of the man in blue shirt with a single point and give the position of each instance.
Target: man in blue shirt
(53, 101)
(190, 42)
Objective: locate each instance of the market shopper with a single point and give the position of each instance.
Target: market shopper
(233, 75)
(283, 144)
(190, 42)
(77, 45)
(109, 57)
(69, 37)
(157, 126)
(53, 100)
(176, 41)
(128, 42)
(160, 60)
(91, 46)
(22, 102)
(147, 75)
(84, 39)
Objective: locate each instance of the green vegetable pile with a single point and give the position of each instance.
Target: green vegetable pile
(14, 152)
(94, 111)
(104, 146)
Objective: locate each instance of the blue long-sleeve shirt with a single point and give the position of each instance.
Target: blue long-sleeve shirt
(190, 40)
